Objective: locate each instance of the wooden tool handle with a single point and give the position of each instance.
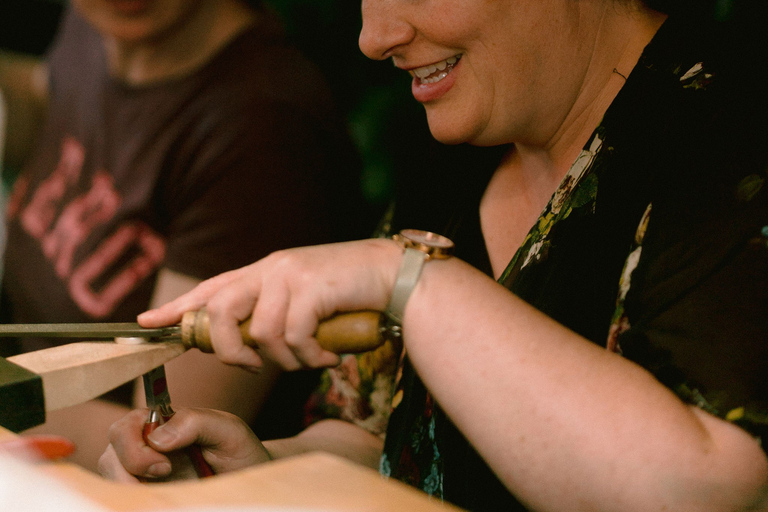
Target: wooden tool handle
(345, 333)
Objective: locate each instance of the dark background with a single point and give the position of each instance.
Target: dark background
(386, 124)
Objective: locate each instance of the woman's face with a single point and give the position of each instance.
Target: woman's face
(136, 21)
(485, 70)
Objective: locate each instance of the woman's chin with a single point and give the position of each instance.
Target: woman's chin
(447, 132)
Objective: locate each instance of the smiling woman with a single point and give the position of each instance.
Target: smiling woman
(597, 342)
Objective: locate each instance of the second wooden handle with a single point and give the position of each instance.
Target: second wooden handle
(345, 333)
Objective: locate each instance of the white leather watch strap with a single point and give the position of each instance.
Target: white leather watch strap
(407, 277)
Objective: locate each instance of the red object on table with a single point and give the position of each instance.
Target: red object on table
(46, 447)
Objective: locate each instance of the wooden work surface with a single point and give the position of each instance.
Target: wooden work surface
(313, 482)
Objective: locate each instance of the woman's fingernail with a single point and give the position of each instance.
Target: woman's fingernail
(159, 469)
(162, 436)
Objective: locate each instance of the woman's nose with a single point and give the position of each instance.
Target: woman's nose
(384, 28)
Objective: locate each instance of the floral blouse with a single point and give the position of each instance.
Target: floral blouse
(655, 246)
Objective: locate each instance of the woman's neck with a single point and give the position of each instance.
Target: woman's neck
(530, 174)
(616, 49)
(182, 49)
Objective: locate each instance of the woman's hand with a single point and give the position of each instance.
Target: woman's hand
(226, 442)
(286, 295)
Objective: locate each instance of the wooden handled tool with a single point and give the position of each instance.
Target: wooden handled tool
(346, 333)
(58, 377)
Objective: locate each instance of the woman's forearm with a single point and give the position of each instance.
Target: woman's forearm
(333, 436)
(545, 407)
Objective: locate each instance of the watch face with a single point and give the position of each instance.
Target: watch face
(431, 243)
(427, 238)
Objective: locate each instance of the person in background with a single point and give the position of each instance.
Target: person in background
(598, 340)
(179, 139)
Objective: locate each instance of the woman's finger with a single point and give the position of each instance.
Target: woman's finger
(194, 300)
(226, 441)
(110, 467)
(268, 328)
(226, 311)
(125, 438)
(301, 324)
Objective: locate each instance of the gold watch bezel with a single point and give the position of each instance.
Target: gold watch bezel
(435, 246)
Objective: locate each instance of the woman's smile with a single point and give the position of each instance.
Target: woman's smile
(432, 81)
(433, 73)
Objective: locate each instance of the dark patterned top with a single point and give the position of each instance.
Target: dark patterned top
(655, 245)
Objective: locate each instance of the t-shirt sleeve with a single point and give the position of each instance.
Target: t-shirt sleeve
(246, 187)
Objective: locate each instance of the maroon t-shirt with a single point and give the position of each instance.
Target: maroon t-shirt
(199, 174)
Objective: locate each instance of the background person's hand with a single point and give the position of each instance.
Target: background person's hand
(227, 444)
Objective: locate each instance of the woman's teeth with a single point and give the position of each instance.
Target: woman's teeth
(435, 72)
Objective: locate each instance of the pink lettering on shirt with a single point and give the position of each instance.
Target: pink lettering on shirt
(20, 187)
(99, 303)
(94, 282)
(78, 220)
(38, 216)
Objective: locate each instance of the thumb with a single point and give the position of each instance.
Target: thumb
(178, 432)
(226, 441)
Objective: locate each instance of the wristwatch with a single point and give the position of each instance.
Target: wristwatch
(418, 247)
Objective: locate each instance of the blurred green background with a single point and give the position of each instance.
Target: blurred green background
(384, 121)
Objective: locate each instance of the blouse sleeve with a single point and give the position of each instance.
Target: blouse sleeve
(696, 307)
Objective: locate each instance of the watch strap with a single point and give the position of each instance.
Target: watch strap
(407, 277)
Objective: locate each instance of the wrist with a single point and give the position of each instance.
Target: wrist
(418, 248)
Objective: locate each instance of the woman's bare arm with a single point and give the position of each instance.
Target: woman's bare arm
(566, 424)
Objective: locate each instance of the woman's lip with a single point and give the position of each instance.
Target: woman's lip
(425, 93)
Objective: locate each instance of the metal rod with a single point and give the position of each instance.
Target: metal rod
(88, 331)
